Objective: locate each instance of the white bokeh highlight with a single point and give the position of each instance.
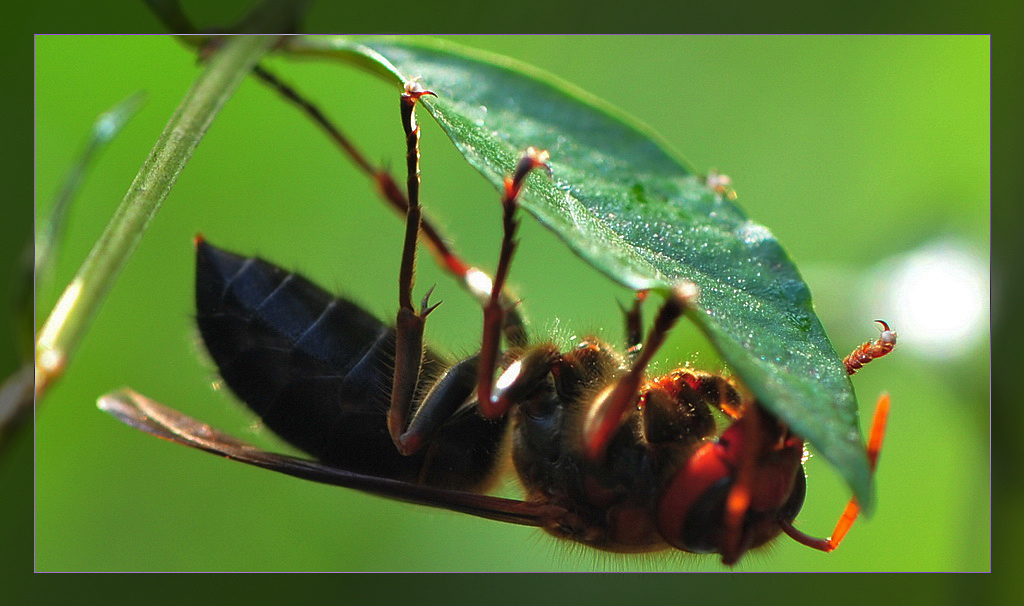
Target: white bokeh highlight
(936, 297)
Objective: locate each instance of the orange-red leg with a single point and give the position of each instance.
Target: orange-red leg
(738, 502)
(872, 350)
(634, 328)
(852, 508)
(496, 307)
(608, 411)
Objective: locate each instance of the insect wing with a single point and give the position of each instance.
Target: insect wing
(147, 415)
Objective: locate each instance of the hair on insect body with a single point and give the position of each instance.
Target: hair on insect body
(607, 456)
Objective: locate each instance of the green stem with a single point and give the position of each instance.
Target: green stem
(78, 304)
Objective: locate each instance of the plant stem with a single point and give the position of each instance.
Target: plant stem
(66, 325)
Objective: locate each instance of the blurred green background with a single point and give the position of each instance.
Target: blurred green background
(868, 157)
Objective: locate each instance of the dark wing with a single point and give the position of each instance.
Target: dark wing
(318, 370)
(142, 413)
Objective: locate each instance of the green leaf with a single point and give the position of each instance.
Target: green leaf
(641, 215)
